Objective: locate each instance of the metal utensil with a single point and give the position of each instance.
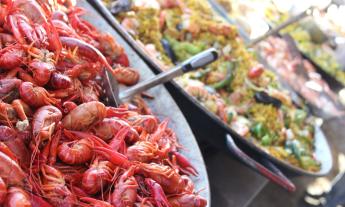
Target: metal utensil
(288, 22)
(283, 25)
(114, 97)
(268, 170)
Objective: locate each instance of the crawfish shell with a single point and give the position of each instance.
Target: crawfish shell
(84, 116)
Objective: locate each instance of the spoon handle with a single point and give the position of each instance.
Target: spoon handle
(198, 61)
(271, 172)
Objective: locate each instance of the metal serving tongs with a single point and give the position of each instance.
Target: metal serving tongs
(114, 97)
(288, 22)
(283, 25)
(267, 169)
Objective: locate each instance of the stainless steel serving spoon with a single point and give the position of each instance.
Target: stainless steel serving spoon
(114, 97)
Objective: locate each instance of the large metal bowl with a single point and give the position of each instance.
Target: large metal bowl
(163, 105)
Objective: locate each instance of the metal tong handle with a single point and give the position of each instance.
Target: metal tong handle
(273, 174)
(280, 27)
(198, 61)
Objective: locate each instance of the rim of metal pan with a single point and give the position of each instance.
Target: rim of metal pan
(179, 124)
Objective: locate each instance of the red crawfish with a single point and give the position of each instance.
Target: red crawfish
(121, 112)
(113, 156)
(126, 75)
(53, 145)
(75, 66)
(9, 89)
(28, 23)
(167, 177)
(10, 171)
(63, 28)
(86, 50)
(108, 127)
(80, 25)
(3, 191)
(98, 176)
(23, 111)
(112, 49)
(118, 143)
(36, 96)
(6, 39)
(90, 92)
(24, 75)
(183, 164)
(72, 174)
(17, 197)
(68, 106)
(15, 145)
(187, 200)
(94, 202)
(144, 151)
(157, 193)
(71, 93)
(55, 189)
(84, 116)
(59, 15)
(101, 148)
(60, 81)
(42, 66)
(147, 123)
(11, 57)
(5, 149)
(75, 152)
(8, 114)
(7, 133)
(44, 122)
(37, 201)
(125, 192)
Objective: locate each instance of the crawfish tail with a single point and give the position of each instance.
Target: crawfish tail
(10, 171)
(113, 156)
(157, 193)
(86, 50)
(184, 164)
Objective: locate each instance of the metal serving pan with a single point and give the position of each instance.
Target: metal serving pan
(333, 83)
(322, 149)
(163, 105)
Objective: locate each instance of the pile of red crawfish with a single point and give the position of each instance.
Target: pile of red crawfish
(59, 145)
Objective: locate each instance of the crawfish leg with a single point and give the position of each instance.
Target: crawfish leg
(53, 147)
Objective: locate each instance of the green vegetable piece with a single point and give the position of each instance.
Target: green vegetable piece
(200, 73)
(308, 162)
(230, 116)
(266, 140)
(300, 116)
(258, 130)
(228, 77)
(296, 149)
(192, 49)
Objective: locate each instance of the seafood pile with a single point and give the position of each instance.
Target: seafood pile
(236, 88)
(61, 146)
(308, 35)
(300, 74)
